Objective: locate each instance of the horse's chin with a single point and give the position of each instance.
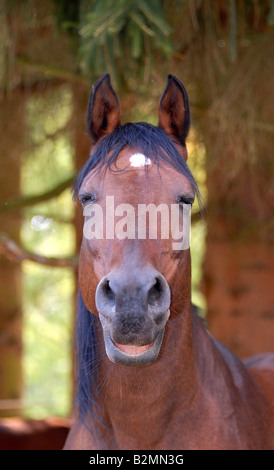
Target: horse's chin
(132, 355)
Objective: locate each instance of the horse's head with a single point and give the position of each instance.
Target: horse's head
(136, 191)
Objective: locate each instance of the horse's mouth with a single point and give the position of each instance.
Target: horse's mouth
(133, 350)
(132, 355)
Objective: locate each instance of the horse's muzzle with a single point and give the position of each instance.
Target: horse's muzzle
(133, 308)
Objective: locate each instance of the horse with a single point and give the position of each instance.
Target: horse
(149, 375)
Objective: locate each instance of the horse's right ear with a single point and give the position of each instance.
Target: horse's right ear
(103, 109)
(173, 110)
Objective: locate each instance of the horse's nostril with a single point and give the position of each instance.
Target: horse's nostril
(108, 293)
(155, 293)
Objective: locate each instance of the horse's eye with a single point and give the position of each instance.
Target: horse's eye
(87, 198)
(185, 199)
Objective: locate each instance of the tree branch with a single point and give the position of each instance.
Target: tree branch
(31, 200)
(51, 71)
(17, 254)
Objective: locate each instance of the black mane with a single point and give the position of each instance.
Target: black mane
(149, 139)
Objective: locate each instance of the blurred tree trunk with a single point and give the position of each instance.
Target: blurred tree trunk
(11, 124)
(227, 65)
(238, 265)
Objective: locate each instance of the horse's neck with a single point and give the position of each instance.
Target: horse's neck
(140, 402)
(196, 395)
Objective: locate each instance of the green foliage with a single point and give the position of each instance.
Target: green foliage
(67, 13)
(123, 34)
(47, 229)
(48, 304)
(47, 160)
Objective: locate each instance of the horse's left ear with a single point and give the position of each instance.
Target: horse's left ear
(103, 109)
(173, 110)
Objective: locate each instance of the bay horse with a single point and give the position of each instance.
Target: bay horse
(149, 375)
